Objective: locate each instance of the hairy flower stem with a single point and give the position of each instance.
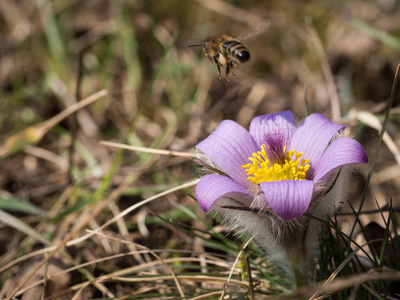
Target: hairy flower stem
(298, 260)
(299, 278)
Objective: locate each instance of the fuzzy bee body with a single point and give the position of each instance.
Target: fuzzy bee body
(226, 51)
(223, 50)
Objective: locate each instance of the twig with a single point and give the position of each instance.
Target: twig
(326, 69)
(148, 150)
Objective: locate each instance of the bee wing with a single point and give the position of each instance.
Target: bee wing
(255, 30)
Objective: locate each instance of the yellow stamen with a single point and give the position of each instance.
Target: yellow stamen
(261, 169)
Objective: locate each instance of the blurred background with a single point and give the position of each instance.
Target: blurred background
(163, 94)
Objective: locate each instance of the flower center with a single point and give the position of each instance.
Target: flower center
(262, 168)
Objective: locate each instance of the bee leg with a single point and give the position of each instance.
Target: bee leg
(231, 64)
(229, 70)
(219, 71)
(218, 65)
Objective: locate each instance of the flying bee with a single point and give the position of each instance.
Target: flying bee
(224, 50)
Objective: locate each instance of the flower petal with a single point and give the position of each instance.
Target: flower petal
(288, 198)
(281, 123)
(230, 146)
(212, 187)
(341, 152)
(312, 137)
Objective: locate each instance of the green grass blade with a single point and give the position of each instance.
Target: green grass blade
(306, 101)
(386, 236)
(21, 226)
(379, 35)
(52, 31)
(378, 146)
(11, 203)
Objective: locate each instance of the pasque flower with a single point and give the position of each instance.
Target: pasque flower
(275, 164)
(263, 181)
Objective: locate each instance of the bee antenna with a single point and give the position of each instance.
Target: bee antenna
(195, 46)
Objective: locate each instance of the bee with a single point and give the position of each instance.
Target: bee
(224, 50)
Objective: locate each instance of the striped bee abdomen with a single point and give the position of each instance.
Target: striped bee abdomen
(237, 50)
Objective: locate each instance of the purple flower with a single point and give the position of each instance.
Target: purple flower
(275, 165)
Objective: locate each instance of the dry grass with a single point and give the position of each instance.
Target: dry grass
(81, 219)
